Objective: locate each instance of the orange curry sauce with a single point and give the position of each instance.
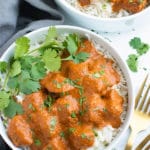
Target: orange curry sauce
(82, 99)
(133, 6)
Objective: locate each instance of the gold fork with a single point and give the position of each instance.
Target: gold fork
(141, 117)
(143, 143)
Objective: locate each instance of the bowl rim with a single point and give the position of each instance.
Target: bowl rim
(78, 12)
(119, 60)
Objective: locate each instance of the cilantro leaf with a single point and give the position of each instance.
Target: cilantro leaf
(140, 47)
(13, 109)
(13, 83)
(38, 71)
(81, 57)
(51, 35)
(28, 86)
(3, 66)
(132, 62)
(144, 48)
(24, 83)
(27, 61)
(78, 58)
(4, 99)
(52, 60)
(15, 68)
(72, 43)
(22, 47)
(135, 43)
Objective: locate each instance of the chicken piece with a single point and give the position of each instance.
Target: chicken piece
(89, 48)
(44, 124)
(115, 103)
(75, 93)
(33, 102)
(67, 110)
(56, 144)
(93, 109)
(114, 108)
(56, 83)
(82, 137)
(75, 71)
(19, 131)
(102, 110)
(130, 6)
(102, 68)
(78, 71)
(135, 6)
(84, 2)
(92, 84)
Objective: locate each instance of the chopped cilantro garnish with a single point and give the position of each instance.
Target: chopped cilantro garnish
(37, 142)
(48, 102)
(84, 136)
(82, 112)
(95, 133)
(62, 134)
(73, 115)
(53, 122)
(98, 74)
(81, 100)
(67, 105)
(31, 107)
(105, 110)
(71, 130)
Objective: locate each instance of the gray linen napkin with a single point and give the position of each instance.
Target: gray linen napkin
(18, 17)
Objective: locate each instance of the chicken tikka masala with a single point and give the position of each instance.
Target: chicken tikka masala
(71, 103)
(132, 6)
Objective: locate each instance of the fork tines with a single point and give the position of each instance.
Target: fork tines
(142, 101)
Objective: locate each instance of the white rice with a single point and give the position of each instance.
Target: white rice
(98, 8)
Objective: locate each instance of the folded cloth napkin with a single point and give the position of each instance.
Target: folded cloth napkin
(18, 17)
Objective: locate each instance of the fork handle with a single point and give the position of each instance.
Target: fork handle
(131, 139)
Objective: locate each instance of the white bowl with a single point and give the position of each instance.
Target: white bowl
(104, 24)
(38, 36)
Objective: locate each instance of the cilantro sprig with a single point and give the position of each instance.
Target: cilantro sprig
(132, 62)
(141, 48)
(24, 70)
(72, 44)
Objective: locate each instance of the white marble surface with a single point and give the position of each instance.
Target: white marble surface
(121, 42)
